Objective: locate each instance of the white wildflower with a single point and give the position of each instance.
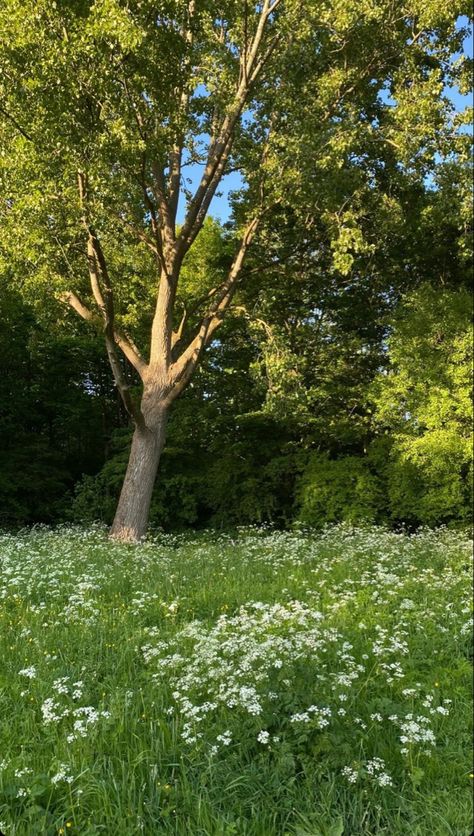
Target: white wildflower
(30, 672)
(351, 774)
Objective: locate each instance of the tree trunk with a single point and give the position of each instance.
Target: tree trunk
(133, 510)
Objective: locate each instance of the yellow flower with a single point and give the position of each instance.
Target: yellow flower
(69, 824)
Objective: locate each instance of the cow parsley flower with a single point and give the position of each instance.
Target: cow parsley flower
(63, 774)
(350, 774)
(30, 672)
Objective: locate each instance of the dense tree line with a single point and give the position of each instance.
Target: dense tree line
(348, 401)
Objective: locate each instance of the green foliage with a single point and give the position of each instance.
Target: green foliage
(243, 475)
(430, 478)
(355, 93)
(56, 407)
(338, 490)
(251, 474)
(425, 403)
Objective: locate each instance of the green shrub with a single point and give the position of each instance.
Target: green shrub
(430, 478)
(338, 490)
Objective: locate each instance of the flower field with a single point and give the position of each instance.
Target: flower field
(263, 683)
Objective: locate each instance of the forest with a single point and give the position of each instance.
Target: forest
(347, 399)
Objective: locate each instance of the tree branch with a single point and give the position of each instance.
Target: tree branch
(17, 125)
(166, 220)
(152, 210)
(178, 334)
(71, 299)
(175, 160)
(220, 148)
(138, 233)
(124, 342)
(105, 303)
(182, 369)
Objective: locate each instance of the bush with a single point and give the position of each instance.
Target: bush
(338, 490)
(430, 479)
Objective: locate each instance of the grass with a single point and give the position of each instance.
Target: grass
(265, 683)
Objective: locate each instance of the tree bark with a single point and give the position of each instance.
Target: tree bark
(131, 519)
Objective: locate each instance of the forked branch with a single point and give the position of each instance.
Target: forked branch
(182, 369)
(252, 61)
(103, 296)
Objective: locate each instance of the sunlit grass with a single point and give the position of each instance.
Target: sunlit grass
(264, 683)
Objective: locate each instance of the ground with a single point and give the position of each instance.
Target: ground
(306, 684)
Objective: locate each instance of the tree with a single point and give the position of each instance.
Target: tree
(57, 408)
(104, 104)
(135, 87)
(425, 403)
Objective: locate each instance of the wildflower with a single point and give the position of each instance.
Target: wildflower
(60, 685)
(263, 737)
(19, 773)
(351, 774)
(62, 775)
(52, 712)
(30, 672)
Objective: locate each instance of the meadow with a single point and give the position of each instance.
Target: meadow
(259, 683)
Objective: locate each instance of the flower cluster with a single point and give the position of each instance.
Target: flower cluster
(323, 654)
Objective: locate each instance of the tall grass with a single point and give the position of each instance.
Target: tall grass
(264, 683)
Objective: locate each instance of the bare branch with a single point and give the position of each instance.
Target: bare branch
(136, 113)
(122, 385)
(166, 220)
(17, 125)
(152, 210)
(177, 335)
(71, 299)
(138, 233)
(220, 148)
(103, 295)
(175, 160)
(188, 312)
(130, 351)
(124, 342)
